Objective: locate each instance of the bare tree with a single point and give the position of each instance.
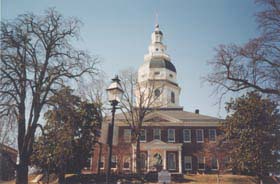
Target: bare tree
(94, 89)
(255, 65)
(138, 101)
(7, 131)
(37, 58)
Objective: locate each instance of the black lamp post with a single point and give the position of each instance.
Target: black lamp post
(115, 93)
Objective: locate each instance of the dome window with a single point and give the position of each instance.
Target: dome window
(172, 97)
(157, 92)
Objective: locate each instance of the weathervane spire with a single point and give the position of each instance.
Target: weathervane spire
(156, 20)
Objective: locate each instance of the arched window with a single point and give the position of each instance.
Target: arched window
(157, 92)
(172, 97)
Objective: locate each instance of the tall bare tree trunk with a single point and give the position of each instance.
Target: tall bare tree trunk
(138, 160)
(61, 178)
(22, 172)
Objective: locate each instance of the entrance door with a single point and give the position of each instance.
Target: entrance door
(143, 161)
(171, 161)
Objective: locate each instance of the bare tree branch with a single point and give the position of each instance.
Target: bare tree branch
(37, 58)
(255, 65)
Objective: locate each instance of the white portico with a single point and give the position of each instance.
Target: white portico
(157, 152)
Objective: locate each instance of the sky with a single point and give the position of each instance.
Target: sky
(119, 31)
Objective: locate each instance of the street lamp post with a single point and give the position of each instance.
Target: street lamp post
(114, 92)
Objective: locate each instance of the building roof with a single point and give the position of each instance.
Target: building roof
(7, 149)
(162, 63)
(174, 116)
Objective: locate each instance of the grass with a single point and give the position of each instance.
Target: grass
(199, 179)
(226, 179)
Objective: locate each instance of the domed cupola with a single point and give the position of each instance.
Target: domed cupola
(162, 63)
(158, 69)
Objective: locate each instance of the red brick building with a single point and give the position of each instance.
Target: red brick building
(170, 137)
(173, 137)
(7, 169)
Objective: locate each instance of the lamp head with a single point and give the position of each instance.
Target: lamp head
(114, 91)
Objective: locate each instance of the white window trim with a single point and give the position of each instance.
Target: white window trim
(187, 169)
(128, 162)
(90, 164)
(215, 134)
(203, 163)
(190, 131)
(145, 136)
(217, 165)
(174, 162)
(114, 168)
(202, 136)
(174, 140)
(127, 141)
(103, 161)
(159, 133)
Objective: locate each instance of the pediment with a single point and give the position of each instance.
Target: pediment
(156, 142)
(156, 119)
(159, 117)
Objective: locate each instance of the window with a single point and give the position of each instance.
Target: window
(188, 163)
(127, 135)
(157, 133)
(88, 162)
(156, 73)
(199, 135)
(143, 135)
(226, 162)
(212, 135)
(101, 163)
(143, 161)
(114, 162)
(171, 135)
(201, 163)
(156, 49)
(187, 135)
(172, 97)
(126, 163)
(157, 92)
(171, 161)
(214, 163)
(170, 75)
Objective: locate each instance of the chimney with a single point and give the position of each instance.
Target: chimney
(197, 111)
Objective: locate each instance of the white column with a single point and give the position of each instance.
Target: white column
(180, 161)
(133, 160)
(164, 160)
(148, 160)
